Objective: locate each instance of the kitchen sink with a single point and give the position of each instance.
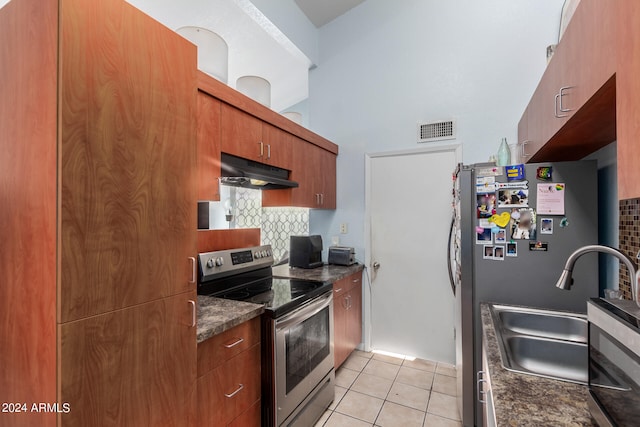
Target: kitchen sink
(546, 343)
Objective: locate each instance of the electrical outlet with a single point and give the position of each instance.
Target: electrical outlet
(335, 241)
(343, 228)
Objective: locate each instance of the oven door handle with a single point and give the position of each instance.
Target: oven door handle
(304, 312)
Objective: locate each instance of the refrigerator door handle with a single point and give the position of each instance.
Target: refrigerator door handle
(449, 266)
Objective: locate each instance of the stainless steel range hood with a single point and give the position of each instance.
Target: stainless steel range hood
(239, 172)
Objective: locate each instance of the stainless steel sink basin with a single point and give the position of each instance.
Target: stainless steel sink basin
(546, 343)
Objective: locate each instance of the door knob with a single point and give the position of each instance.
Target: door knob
(376, 265)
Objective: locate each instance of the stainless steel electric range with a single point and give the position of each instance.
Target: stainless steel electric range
(297, 331)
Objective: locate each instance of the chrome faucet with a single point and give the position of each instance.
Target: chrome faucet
(565, 281)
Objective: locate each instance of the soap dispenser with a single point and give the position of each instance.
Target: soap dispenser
(504, 154)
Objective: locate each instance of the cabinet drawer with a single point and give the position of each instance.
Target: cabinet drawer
(225, 393)
(220, 348)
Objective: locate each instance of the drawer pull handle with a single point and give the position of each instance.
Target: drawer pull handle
(234, 343)
(193, 269)
(337, 290)
(193, 313)
(240, 387)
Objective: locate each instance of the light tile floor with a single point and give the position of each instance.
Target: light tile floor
(384, 391)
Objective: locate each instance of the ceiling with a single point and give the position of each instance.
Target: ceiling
(321, 12)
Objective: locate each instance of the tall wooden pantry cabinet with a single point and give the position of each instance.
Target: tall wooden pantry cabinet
(97, 216)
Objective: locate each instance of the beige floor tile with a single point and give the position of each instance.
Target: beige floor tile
(409, 395)
(444, 406)
(381, 369)
(415, 377)
(423, 365)
(436, 421)
(360, 406)
(339, 394)
(355, 362)
(446, 369)
(373, 386)
(323, 419)
(341, 420)
(345, 377)
(388, 359)
(445, 384)
(394, 415)
(361, 353)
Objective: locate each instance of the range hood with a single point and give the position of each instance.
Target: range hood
(239, 172)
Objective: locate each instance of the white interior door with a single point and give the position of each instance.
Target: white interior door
(411, 309)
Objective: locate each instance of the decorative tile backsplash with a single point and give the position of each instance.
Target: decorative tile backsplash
(276, 224)
(629, 230)
(280, 223)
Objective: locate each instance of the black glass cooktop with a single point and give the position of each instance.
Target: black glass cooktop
(279, 296)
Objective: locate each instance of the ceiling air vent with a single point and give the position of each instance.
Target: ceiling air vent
(436, 131)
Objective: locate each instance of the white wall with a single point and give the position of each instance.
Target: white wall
(384, 66)
(287, 16)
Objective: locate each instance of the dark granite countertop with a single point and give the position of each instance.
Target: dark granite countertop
(527, 400)
(326, 273)
(216, 315)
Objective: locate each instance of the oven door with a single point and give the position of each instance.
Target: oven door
(614, 380)
(303, 353)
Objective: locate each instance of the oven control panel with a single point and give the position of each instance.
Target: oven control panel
(214, 265)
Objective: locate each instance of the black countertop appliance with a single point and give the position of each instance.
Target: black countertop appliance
(305, 251)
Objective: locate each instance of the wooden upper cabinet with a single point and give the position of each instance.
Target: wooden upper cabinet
(131, 367)
(208, 147)
(246, 136)
(278, 146)
(241, 134)
(327, 180)
(127, 161)
(628, 99)
(572, 112)
(314, 169)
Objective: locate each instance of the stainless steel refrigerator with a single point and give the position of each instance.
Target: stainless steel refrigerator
(552, 210)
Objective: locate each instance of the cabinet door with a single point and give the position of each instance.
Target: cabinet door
(127, 159)
(241, 134)
(355, 312)
(278, 146)
(340, 322)
(305, 165)
(327, 180)
(131, 367)
(208, 147)
(627, 100)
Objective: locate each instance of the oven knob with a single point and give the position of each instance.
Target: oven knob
(263, 254)
(268, 253)
(219, 261)
(257, 255)
(211, 263)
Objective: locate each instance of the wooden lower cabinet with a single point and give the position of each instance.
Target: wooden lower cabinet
(113, 371)
(347, 316)
(228, 385)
